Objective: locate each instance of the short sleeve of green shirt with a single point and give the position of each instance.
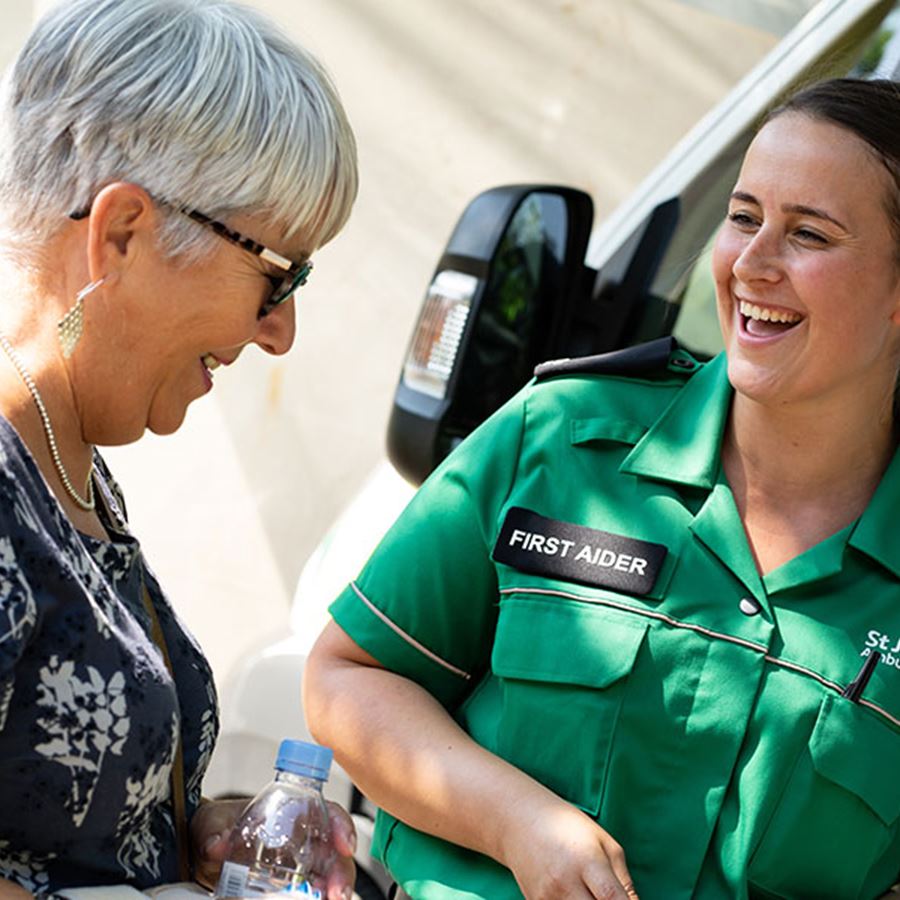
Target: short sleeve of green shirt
(700, 718)
(425, 605)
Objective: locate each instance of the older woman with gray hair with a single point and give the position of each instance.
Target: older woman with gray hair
(167, 169)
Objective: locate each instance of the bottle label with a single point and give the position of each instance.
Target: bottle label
(236, 881)
(232, 880)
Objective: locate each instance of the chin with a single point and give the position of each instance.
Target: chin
(166, 425)
(754, 381)
(109, 433)
(165, 418)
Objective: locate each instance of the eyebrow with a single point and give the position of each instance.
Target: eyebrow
(799, 208)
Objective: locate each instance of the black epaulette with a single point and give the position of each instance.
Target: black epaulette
(652, 358)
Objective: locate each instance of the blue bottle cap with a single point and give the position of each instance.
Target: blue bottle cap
(305, 759)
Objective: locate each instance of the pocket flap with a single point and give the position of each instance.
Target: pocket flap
(607, 428)
(851, 748)
(563, 642)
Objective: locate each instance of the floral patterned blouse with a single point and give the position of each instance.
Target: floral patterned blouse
(88, 712)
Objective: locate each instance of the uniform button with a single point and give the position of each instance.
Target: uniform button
(749, 606)
(683, 363)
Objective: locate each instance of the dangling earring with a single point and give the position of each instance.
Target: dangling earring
(71, 326)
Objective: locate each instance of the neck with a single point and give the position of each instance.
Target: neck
(794, 453)
(35, 291)
(32, 376)
(799, 476)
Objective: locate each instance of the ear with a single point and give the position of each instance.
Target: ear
(123, 221)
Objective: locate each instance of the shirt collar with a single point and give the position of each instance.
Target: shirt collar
(876, 531)
(684, 444)
(684, 447)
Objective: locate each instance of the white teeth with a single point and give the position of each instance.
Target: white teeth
(210, 362)
(764, 314)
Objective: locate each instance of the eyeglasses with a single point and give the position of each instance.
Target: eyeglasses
(283, 286)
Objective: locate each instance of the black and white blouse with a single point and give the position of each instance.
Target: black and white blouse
(88, 712)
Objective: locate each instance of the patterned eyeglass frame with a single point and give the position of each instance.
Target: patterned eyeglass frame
(295, 274)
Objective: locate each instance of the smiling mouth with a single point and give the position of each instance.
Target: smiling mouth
(764, 321)
(210, 363)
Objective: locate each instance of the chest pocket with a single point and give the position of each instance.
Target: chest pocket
(837, 822)
(606, 429)
(563, 668)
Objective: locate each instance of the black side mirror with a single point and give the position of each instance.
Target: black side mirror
(501, 300)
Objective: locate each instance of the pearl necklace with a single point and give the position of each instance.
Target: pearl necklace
(86, 504)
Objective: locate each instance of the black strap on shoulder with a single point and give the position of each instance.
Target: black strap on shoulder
(644, 359)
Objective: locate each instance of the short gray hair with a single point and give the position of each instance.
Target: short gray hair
(203, 103)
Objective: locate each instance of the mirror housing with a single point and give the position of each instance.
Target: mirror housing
(501, 300)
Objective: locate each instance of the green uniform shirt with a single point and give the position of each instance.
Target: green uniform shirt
(698, 719)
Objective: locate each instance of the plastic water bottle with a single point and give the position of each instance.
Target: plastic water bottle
(281, 844)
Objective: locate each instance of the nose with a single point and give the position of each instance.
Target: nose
(759, 259)
(277, 330)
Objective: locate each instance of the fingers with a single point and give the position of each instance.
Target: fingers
(214, 819)
(616, 856)
(210, 827)
(604, 885)
(610, 879)
(209, 858)
(214, 848)
(342, 876)
(341, 879)
(343, 831)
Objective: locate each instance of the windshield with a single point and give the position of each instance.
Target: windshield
(775, 16)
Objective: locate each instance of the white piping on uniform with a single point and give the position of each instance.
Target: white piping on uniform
(863, 702)
(662, 617)
(830, 684)
(649, 613)
(408, 638)
(803, 671)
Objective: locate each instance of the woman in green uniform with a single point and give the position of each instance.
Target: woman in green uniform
(641, 632)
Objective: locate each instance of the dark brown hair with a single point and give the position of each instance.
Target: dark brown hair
(868, 109)
(871, 111)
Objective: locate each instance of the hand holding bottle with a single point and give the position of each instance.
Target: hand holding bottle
(287, 839)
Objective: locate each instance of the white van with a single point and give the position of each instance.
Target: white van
(526, 276)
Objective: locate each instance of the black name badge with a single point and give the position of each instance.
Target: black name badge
(533, 543)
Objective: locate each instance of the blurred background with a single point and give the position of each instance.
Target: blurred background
(448, 98)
